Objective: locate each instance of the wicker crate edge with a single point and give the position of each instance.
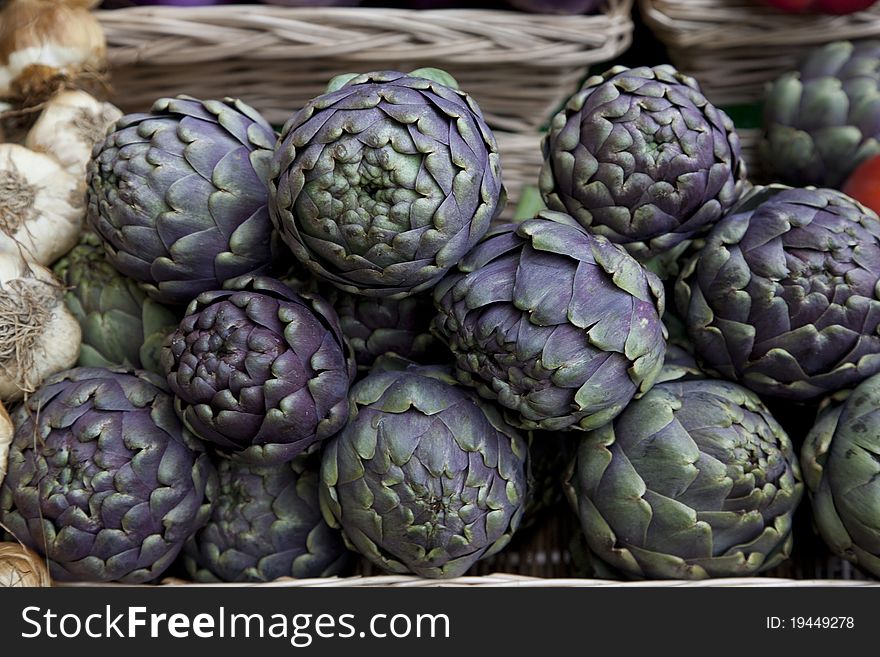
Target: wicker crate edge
(511, 581)
(518, 66)
(734, 47)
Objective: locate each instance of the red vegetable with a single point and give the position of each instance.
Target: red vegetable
(822, 6)
(864, 183)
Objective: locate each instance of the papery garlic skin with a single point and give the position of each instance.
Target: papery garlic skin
(21, 567)
(38, 334)
(69, 126)
(42, 206)
(46, 42)
(7, 431)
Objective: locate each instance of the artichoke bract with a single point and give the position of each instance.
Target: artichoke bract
(121, 326)
(378, 325)
(103, 479)
(641, 157)
(426, 478)
(841, 467)
(820, 121)
(559, 326)
(382, 185)
(265, 523)
(783, 295)
(178, 196)
(259, 370)
(696, 479)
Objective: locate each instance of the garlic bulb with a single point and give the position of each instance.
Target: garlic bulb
(69, 126)
(7, 430)
(46, 45)
(42, 207)
(20, 567)
(38, 335)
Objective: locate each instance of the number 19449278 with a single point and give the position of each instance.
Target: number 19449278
(810, 623)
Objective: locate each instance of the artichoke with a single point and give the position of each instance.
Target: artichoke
(259, 370)
(820, 121)
(426, 477)
(841, 463)
(178, 196)
(783, 295)
(694, 480)
(103, 479)
(559, 326)
(265, 524)
(382, 185)
(120, 324)
(641, 157)
(377, 325)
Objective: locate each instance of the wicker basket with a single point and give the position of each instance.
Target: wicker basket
(735, 47)
(519, 67)
(509, 580)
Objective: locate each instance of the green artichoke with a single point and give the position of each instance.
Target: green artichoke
(820, 121)
(694, 480)
(559, 326)
(378, 325)
(178, 196)
(120, 324)
(259, 370)
(841, 463)
(103, 480)
(641, 157)
(382, 185)
(784, 295)
(426, 478)
(265, 524)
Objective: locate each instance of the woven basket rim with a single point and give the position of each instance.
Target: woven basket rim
(504, 580)
(161, 34)
(733, 24)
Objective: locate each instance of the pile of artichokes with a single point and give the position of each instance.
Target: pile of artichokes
(302, 346)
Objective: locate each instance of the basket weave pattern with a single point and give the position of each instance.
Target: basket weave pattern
(519, 67)
(734, 47)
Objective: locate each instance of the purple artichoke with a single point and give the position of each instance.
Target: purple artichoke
(426, 477)
(266, 524)
(178, 196)
(559, 326)
(382, 185)
(259, 370)
(641, 157)
(821, 120)
(784, 296)
(695, 479)
(103, 480)
(842, 472)
(375, 326)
